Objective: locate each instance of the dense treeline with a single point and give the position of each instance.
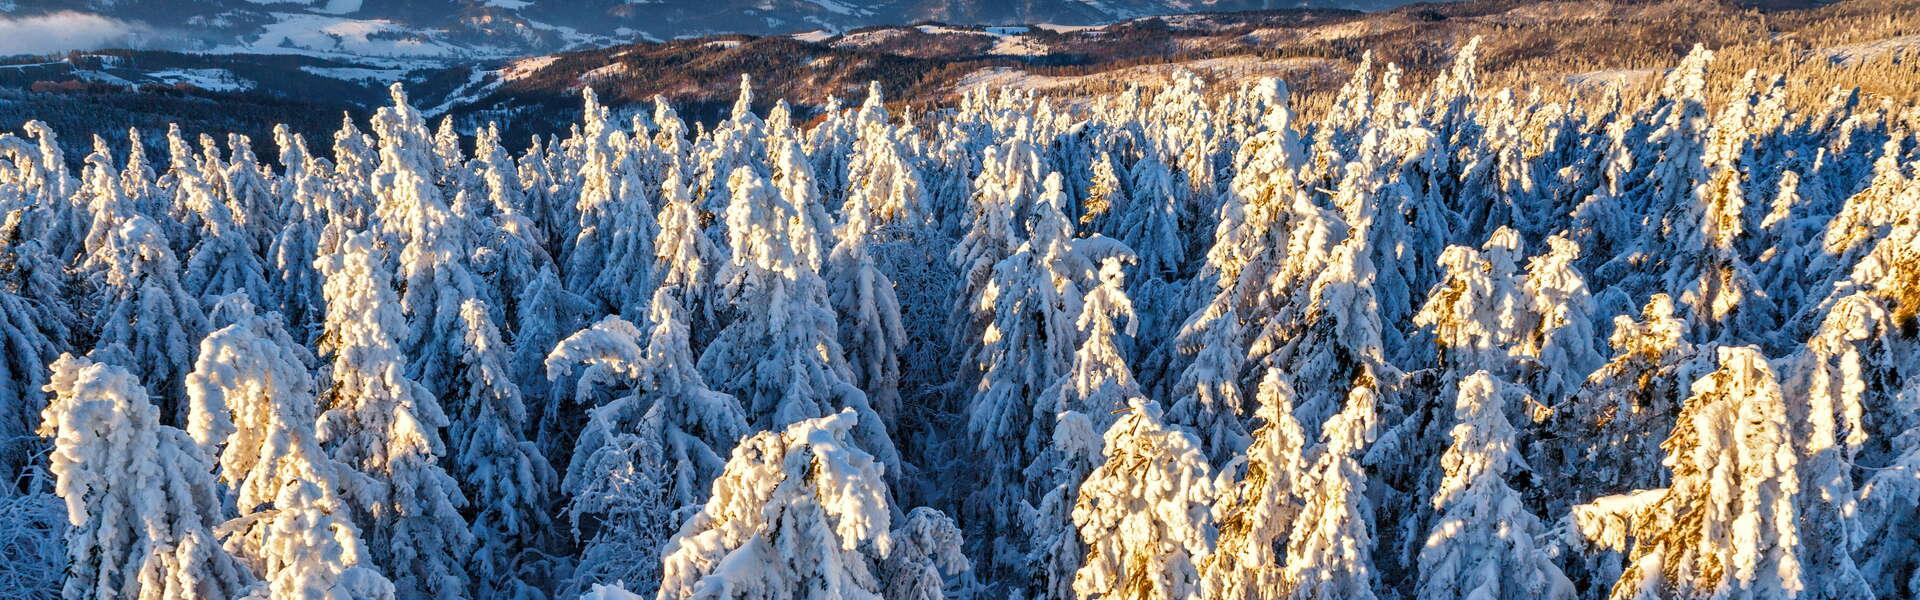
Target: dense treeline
(1181, 342)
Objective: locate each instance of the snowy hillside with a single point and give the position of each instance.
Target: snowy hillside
(1190, 333)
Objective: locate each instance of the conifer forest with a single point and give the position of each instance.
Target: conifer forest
(1422, 338)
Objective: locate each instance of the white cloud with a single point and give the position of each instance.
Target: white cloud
(62, 31)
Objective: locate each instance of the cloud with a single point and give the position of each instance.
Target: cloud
(53, 33)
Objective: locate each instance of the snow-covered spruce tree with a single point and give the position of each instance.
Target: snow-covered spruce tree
(548, 313)
(1337, 138)
(1848, 386)
(1106, 196)
(225, 259)
(1478, 312)
(1145, 512)
(456, 352)
(1322, 320)
(138, 180)
(1561, 343)
(1330, 551)
(1885, 270)
(45, 185)
(354, 161)
(798, 512)
(310, 200)
(449, 158)
(1250, 243)
(780, 356)
(612, 253)
(30, 338)
(645, 456)
(1028, 346)
(1155, 226)
(1328, 333)
(1482, 543)
(793, 178)
(1408, 208)
(542, 196)
(1052, 545)
(104, 202)
(1080, 405)
(187, 186)
(504, 474)
(1727, 524)
(1497, 184)
(509, 251)
(881, 175)
(863, 295)
(684, 258)
(1606, 437)
(147, 312)
(141, 500)
(1661, 205)
(670, 134)
(1601, 222)
(1706, 269)
(1256, 514)
(829, 144)
(1098, 381)
(1151, 223)
(431, 239)
(243, 186)
(738, 142)
(1476, 315)
(993, 228)
(314, 551)
(379, 421)
(926, 552)
(253, 401)
(1889, 516)
(30, 269)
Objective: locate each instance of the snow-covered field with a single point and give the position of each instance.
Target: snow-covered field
(1229, 69)
(1855, 53)
(1613, 77)
(358, 73)
(218, 80)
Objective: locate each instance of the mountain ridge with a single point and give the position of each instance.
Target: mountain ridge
(468, 29)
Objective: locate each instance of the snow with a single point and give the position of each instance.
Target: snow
(944, 30)
(474, 87)
(1856, 53)
(104, 77)
(608, 72)
(1229, 69)
(868, 38)
(1017, 46)
(1613, 77)
(337, 36)
(815, 36)
(1007, 41)
(1058, 28)
(357, 73)
(213, 80)
(526, 67)
(840, 8)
